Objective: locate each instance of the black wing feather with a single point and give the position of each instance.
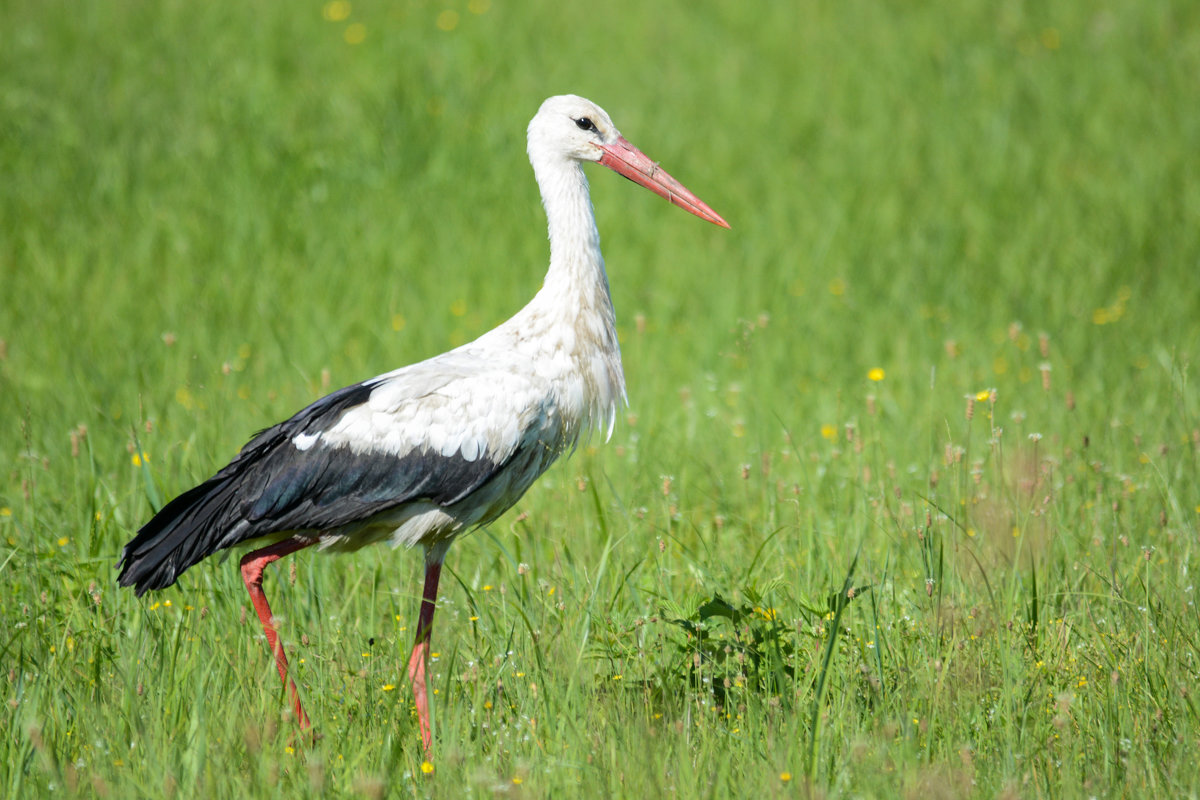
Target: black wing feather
(273, 487)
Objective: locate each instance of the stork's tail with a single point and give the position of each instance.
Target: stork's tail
(186, 530)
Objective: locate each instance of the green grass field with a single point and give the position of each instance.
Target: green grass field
(945, 359)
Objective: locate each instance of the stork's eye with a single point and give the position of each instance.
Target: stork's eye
(586, 124)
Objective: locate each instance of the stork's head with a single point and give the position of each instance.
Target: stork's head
(571, 128)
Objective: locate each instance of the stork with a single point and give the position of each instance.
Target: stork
(427, 452)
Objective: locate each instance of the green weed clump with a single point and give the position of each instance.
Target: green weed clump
(905, 501)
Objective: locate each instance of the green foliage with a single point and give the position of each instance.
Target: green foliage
(942, 365)
(754, 648)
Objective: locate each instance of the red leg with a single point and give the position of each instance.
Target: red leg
(417, 662)
(253, 564)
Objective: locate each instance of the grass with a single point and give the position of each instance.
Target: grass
(906, 501)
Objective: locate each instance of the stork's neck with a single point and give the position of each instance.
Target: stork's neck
(576, 266)
(573, 307)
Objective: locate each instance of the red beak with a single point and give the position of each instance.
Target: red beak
(625, 159)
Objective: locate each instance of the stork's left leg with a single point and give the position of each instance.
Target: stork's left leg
(420, 653)
(253, 564)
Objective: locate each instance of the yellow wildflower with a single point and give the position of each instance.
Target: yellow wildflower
(336, 11)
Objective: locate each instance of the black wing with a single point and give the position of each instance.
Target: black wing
(273, 487)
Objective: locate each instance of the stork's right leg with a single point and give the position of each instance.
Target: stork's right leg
(418, 661)
(253, 564)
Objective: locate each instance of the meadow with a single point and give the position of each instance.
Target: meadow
(906, 500)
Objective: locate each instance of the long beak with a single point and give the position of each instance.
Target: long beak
(625, 159)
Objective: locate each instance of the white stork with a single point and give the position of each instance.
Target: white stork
(429, 451)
